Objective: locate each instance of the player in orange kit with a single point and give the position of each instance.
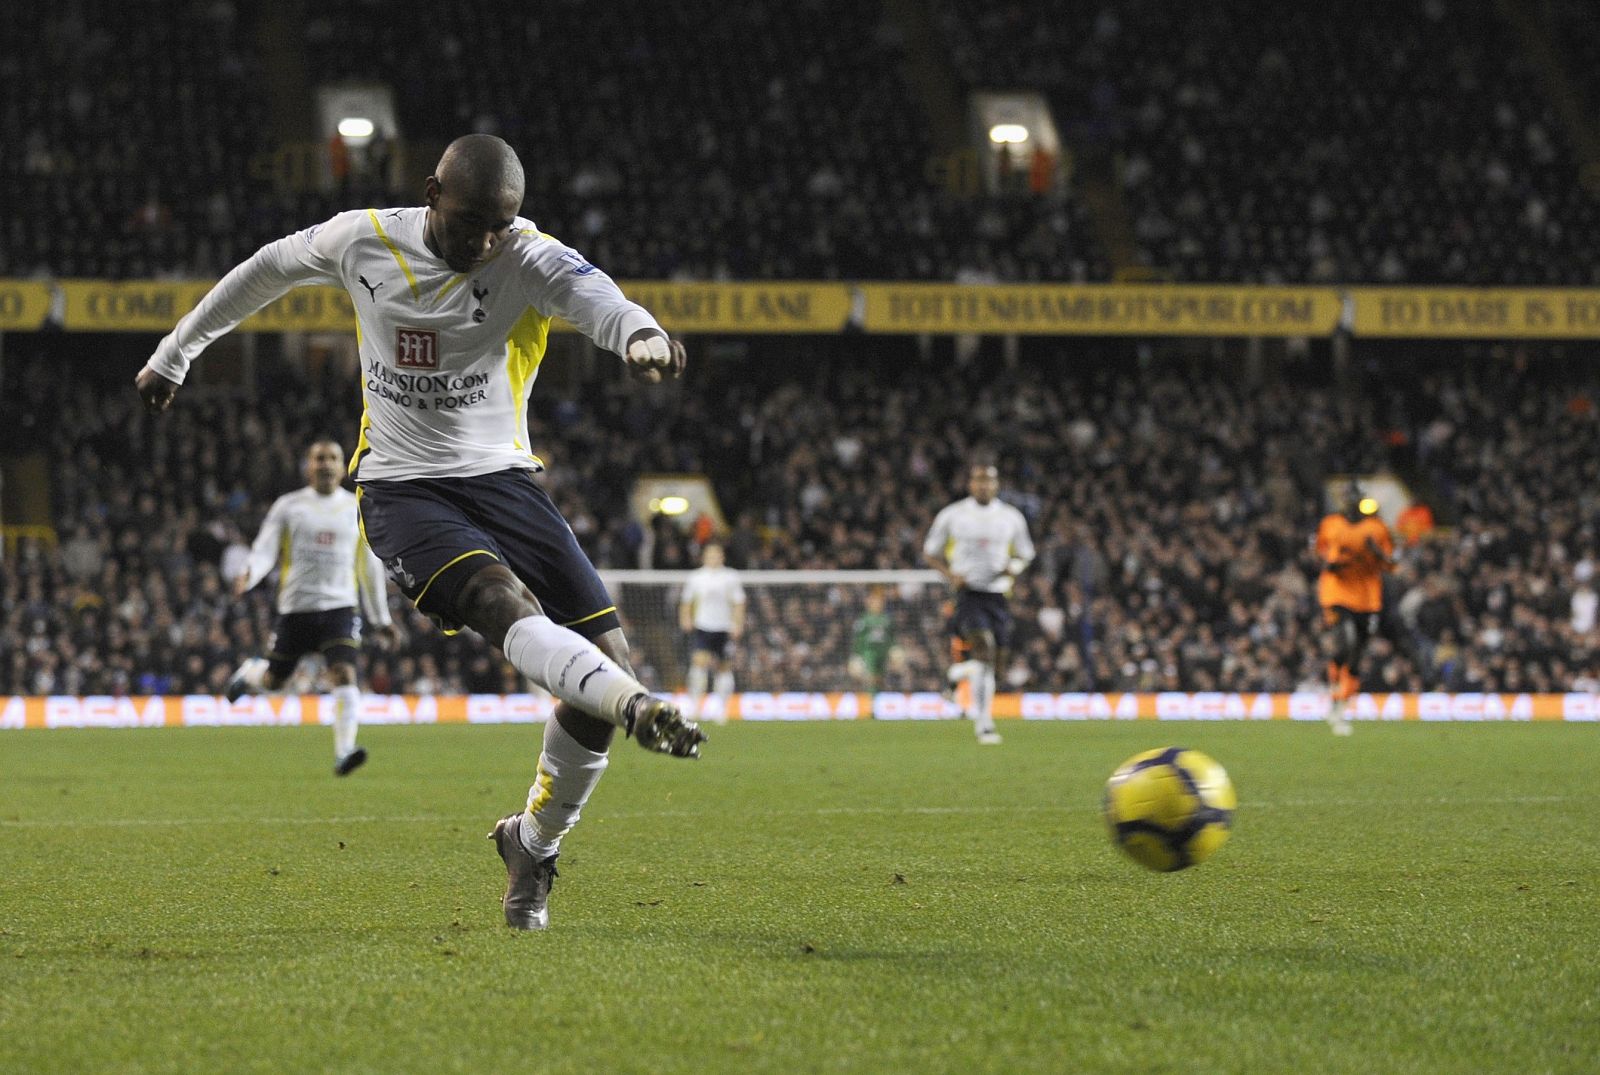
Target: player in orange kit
(1356, 549)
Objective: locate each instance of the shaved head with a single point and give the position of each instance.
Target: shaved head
(481, 164)
(473, 198)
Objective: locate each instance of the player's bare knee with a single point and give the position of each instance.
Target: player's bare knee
(492, 600)
(342, 674)
(983, 647)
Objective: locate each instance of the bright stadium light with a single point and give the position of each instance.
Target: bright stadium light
(1008, 134)
(355, 127)
(674, 505)
(1368, 506)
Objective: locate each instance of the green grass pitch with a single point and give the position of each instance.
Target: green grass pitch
(859, 897)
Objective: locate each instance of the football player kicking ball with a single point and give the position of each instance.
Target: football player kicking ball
(980, 544)
(453, 301)
(1355, 548)
(313, 538)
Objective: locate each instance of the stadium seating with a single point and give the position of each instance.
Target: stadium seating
(804, 156)
(1403, 142)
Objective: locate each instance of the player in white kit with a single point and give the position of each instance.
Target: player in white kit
(711, 612)
(453, 302)
(980, 544)
(312, 536)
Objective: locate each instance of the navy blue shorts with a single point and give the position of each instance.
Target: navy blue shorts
(334, 633)
(434, 534)
(712, 642)
(978, 611)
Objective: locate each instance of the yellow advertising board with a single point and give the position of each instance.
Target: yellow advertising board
(744, 308)
(24, 304)
(1476, 313)
(906, 308)
(156, 305)
(1100, 310)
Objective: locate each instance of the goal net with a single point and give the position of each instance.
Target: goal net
(804, 630)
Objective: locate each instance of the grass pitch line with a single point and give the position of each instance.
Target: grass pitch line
(820, 811)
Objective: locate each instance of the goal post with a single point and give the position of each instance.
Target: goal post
(801, 629)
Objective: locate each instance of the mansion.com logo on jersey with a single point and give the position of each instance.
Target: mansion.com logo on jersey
(416, 349)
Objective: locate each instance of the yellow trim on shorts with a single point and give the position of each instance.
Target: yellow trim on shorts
(434, 577)
(586, 619)
(399, 258)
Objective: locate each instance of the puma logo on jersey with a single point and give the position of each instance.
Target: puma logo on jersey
(372, 289)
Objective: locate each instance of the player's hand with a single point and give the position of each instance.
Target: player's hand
(957, 581)
(155, 390)
(387, 637)
(241, 585)
(652, 358)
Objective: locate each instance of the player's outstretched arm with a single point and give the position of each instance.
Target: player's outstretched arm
(562, 282)
(307, 257)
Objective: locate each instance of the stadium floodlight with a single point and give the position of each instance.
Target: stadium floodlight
(1008, 134)
(355, 127)
(670, 505)
(1367, 506)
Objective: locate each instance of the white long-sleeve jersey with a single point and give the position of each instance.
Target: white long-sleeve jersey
(979, 541)
(447, 359)
(315, 543)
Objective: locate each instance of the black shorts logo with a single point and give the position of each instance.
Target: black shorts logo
(397, 571)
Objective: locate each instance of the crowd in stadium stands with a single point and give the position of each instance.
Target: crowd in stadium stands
(135, 150)
(771, 140)
(781, 140)
(1264, 143)
(1172, 509)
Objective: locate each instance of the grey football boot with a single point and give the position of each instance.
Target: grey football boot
(528, 879)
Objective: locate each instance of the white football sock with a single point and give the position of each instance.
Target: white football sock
(697, 683)
(568, 772)
(724, 686)
(570, 667)
(252, 672)
(983, 700)
(346, 716)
